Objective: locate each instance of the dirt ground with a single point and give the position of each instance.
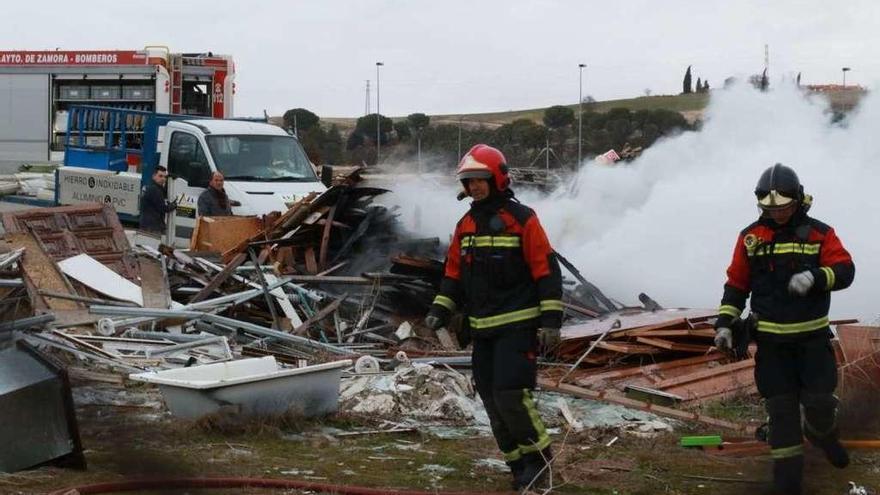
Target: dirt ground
(140, 442)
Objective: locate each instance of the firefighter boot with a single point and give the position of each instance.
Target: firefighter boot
(535, 474)
(830, 444)
(820, 428)
(516, 470)
(788, 474)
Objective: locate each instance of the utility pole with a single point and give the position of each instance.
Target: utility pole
(580, 113)
(367, 100)
(845, 70)
(547, 161)
(378, 115)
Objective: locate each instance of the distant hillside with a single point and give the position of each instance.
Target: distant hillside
(691, 106)
(686, 104)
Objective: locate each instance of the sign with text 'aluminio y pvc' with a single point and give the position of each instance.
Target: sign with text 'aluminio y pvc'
(78, 186)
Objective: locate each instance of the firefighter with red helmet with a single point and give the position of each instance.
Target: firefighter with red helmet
(503, 275)
(789, 263)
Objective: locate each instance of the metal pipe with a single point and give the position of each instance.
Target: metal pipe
(171, 349)
(268, 332)
(29, 322)
(11, 282)
(11, 257)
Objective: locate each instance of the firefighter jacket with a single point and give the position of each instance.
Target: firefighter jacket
(501, 271)
(764, 259)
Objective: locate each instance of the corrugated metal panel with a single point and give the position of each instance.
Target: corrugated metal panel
(24, 117)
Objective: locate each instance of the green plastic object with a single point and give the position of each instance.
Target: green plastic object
(701, 441)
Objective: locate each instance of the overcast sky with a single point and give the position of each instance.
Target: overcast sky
(455, 56)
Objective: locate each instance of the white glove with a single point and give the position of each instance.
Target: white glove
(723, 339)
(801, 283)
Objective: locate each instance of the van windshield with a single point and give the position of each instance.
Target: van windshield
(261, 158)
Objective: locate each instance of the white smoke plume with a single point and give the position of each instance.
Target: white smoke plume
(666, 223)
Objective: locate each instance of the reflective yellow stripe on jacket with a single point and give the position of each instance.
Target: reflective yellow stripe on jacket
(829, 275)
(784, 248)
(445, 302)
(551, 305)
(504, 318)
(503, 241)
(727, 309)
(792, 328)
(785, 452)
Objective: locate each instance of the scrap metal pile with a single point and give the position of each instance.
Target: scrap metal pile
(335, 277)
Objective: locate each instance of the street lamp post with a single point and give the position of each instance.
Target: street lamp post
(378, 115)
(845, 70)
(459, 138)
(580, 111)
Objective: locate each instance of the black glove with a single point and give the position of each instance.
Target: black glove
(172, 205)
(549, 338)
(433, 321)
(724, 339)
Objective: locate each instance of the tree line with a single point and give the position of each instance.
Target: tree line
(523, 141)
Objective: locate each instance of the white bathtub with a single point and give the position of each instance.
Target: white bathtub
(250, 386)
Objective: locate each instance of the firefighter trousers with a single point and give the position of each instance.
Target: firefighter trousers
(505, 371)
(788, 375)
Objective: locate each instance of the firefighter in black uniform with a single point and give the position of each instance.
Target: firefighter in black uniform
(789, 263)
(503, 275)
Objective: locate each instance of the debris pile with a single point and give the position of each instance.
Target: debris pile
(414, 391)
(336, 278)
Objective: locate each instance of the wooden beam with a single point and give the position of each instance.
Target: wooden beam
(673, 346)
(320, 315)
(610, 397)
(221, 277)
(325, 237)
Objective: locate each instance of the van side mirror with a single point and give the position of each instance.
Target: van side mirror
(201, 176)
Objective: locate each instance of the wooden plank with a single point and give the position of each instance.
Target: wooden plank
(673, 346)
(609, 397)
(81, 343)
(578, 309)
(709, 373)
(680, 332)
(627, 348)
(40, 272)
(325, 237)
(220, 234)
(320, 315)
(677, 323)
(221, 277)
(636, 370)
(154, 283)
(311, 261)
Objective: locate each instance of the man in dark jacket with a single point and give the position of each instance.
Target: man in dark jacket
(214, 202)
(789, 263)
(503, 275)
(154, 205)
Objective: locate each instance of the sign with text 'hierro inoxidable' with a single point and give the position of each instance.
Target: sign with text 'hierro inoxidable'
(78, 186)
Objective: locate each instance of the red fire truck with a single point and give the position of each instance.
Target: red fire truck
(38, 87)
